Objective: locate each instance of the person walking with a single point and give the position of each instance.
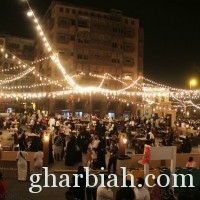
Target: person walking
(38, 157)
(22, 164)
(113, 149)
(101, 154)
(79, 192)
(70, 152)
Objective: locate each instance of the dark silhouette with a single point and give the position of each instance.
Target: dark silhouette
(125, 193)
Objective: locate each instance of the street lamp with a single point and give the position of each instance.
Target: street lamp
(193, 82)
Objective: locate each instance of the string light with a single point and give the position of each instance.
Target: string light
(104, 76)
(17, 77)
(55, 58)
(35, 72)
(152, 91)
(41, 59)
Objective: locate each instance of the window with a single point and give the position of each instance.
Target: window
(28, 48)
(132, 22)
(72, 38)
(1, 42)
(113, 61)
(83, 23)
(117, 30)
(61, 9)
(85, 57)
(5, 65)
(80, 40)
(67, 10)
(82, 56)
(79, 114)
(13, 46)
(63, 38)
(115, 18)
(73, 22)
(128, 61)
(79, 56)
(114, 45)
(129, 47)
(129, 32)
(107, 17)
(63, 23)
(73, 11)
(111, 115)
(97, 106)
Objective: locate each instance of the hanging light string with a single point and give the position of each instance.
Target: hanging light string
(182, 102)
(116, 79)
(137, 86)
(104, 76)
(13, 68)
(149, 102)
(56, 82)
(194, 94)
(29, 69)
(19, 87)
(47, 45)
(171, 88)
(147, 92)
(128, 87)
(153, 84)
(6, 55)
(41, 59)
(192, 104)
(164, 86)
(16, 77)
(95, 89)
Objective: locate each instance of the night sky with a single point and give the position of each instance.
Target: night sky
(171, 32)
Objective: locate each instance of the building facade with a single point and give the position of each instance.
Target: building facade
(91, 43)
(12, 48)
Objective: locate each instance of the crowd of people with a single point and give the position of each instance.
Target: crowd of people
(103, 192)
(71, 140)
(70, 136)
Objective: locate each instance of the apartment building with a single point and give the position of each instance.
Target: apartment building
(91, 43)
(12, 48)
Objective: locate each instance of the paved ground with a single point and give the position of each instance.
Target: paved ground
(20, 190)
